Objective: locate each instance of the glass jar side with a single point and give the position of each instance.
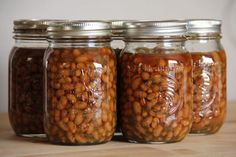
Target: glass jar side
(26, 87)
(81, 93)
(156, 100)
(209, 84)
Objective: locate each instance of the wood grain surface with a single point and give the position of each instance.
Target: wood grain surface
(221, 144)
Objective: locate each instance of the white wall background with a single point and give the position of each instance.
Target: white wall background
(116, 9)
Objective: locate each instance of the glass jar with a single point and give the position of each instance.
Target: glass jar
(80, 80)
(209, 75)
(118, 44)
(156, 72)
(26, 77)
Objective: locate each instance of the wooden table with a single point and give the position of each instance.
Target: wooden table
(222, 144)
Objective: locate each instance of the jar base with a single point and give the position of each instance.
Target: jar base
(160, 142)
(118, 134)
(204, 132)
(32, 135)
(200, 134)
(77, 144)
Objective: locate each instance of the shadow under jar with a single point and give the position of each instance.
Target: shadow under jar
(26, 77)
(209, 75)
(156, 87)
(80, 84)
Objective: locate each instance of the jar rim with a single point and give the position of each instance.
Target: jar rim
(118, 28)
(203, 27)
(33, 28)
(79, 29)
(155, 29)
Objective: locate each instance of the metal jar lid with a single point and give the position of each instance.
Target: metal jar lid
(79, 29)
(203, 26)
(118, 28)
(33, 28)
(155, 29)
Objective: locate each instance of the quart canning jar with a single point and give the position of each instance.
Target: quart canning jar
(209, 75)
(117, 43)
(26, 77)
(80, 74)
(156, 86)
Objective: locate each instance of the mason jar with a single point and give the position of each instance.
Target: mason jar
(80, 83)
(156, 82)
(26, 77)
(117, 43)
(209, 75)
